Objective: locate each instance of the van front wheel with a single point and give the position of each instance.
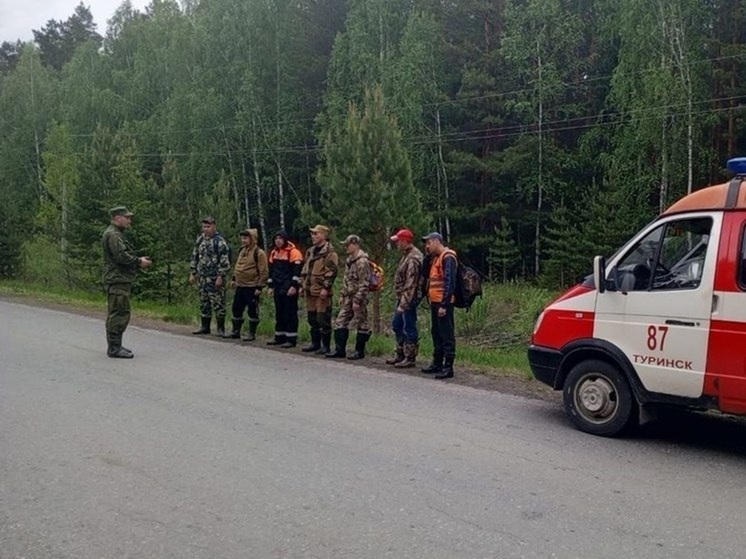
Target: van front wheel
(598, 398)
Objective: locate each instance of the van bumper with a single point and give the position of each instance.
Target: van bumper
(545, 364)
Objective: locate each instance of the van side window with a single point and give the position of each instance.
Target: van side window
(670, 257)
(742, 263)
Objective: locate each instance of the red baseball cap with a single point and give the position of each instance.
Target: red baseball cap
(403, 235)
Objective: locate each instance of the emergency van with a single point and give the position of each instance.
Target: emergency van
(663, 321)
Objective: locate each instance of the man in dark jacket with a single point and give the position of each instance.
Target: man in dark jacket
(120, 269)
(285, 265)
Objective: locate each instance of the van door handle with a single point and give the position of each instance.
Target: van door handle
(680, 323)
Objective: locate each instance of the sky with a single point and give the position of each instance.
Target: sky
(19, 17)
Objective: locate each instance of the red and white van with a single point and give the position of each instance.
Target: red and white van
(663, 321)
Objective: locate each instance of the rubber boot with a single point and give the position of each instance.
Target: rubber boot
(221, 326)
(315, 342)
(290, 341)
(360, 340)
(434, 367)
(410, 356)
(326, 342)
(279, 340)
(205, 328)
(398, 356)
(447, 370)
(251, 335)
(236, 330)
(341, 335)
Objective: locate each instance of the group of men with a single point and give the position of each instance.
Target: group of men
(287, 274)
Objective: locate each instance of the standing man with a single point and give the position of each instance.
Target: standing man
(249, 278)
(441, 286)
(354, 305)
(120, 269)
(285, 265)
(406, 286)
(317, 278)
(210, 264)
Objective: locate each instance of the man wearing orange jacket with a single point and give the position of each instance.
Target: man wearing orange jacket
(285, 265)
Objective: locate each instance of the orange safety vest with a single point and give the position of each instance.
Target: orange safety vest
(437, 278)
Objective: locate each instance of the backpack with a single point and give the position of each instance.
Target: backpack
(216, 246)
(468, 286)
(377, 277)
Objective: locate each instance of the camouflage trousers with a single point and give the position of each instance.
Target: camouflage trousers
(117, 308)
(350, 318)
(211, 298)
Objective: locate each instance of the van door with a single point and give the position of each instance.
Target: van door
(658, 308)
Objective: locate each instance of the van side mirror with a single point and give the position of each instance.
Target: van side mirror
(599, 273)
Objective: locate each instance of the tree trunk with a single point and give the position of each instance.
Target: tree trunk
(444, 173)
(540, 187)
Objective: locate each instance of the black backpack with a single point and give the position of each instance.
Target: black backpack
(468, 286)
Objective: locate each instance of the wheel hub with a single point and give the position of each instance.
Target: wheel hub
(597, 396)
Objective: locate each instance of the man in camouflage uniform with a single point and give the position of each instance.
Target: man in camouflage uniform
(406, 287)
(317, 278)
(354, 306)
(120, 269)
(209, 266)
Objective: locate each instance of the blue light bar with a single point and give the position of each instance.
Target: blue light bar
(737, 166)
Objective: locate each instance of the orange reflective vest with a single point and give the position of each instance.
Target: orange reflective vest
(437, 279)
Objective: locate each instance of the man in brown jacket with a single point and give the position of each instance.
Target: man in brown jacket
(406, 286)
(249, 278)
(317, 278)
(353, 309)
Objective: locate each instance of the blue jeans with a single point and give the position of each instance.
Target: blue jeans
(405, 326)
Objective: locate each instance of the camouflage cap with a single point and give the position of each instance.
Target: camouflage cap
(120, 210)
(209, 219)
(323, 229)
(351, 240)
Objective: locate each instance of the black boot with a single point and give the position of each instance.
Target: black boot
(341, 335)
(326, 342)
(360, 340)
(290, 341)
(236, 331)
(251, 336)
(221, 326)
(279, 340)
(398, 356)
(205, 328)
(115, 349)
(315, 342)
(447, 370)
(434, 367)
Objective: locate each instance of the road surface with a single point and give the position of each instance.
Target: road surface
(206, 449)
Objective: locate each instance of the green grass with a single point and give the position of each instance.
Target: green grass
(492, 336)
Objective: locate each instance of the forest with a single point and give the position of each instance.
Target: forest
(533, 134)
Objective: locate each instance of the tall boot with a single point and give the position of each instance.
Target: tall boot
(205, 328)
(236, 331)
(251, 336)
(115, 350)
(341, 335)
(434, 367)
(360, 340)
(326, 342)
(290, 341)
(410, 356)
(220, 320)
(315, 342)
(447, 370)
(398, 356)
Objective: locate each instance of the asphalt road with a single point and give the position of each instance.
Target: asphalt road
(201, 448)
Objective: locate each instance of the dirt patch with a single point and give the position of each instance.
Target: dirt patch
(494, 379)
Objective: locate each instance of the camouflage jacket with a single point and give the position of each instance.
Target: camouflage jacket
(407, 278)
(210, 257)
(120, 261)
(319, 269)
(357, 278)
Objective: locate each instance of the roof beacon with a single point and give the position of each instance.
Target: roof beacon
(737, 166)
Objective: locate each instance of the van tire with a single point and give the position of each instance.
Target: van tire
(598, 398)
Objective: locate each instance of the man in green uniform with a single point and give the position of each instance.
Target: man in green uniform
(120, 269)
